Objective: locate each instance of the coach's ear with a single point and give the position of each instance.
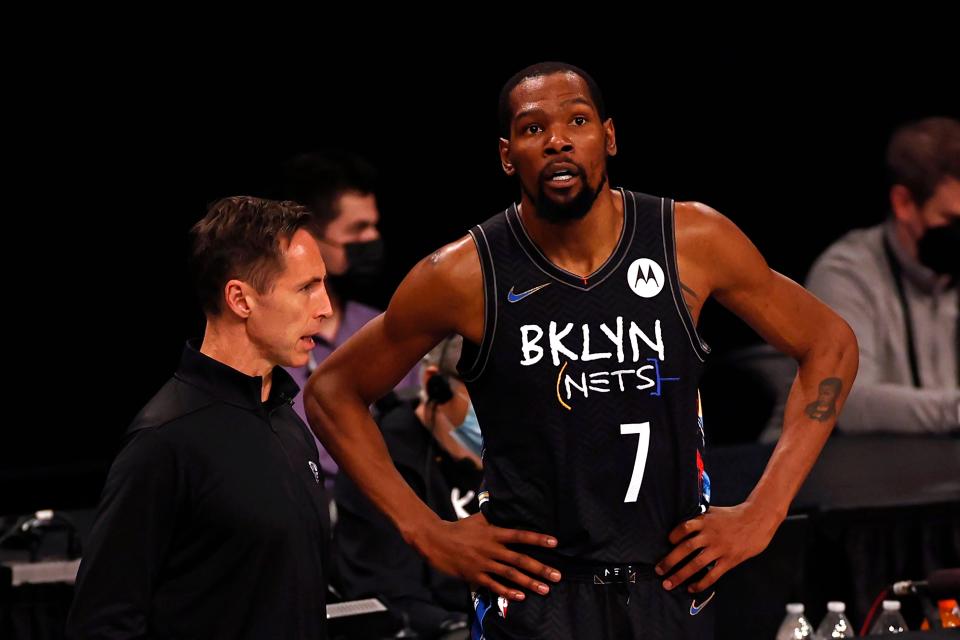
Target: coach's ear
(236, 298)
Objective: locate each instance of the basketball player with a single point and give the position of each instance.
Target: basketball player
(579, 308)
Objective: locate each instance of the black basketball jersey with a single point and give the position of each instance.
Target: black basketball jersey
(586, 390)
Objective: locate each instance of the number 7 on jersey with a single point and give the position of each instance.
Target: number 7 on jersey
(643, 446)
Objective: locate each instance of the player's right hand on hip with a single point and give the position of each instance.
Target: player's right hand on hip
(477, 552)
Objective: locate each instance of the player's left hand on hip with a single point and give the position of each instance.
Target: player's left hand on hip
(721, 539)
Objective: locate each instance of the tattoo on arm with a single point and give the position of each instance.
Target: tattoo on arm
(825, 406)
(688, 291)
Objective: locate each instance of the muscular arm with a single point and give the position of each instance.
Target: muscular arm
(796, 323)
(440, 296)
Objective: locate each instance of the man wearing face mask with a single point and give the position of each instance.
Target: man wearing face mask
(338, 187)
(436, 446)
(896, 285)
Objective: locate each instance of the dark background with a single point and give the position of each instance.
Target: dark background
(786, 137)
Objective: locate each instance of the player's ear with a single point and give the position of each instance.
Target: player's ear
(610, 137)
(505, 162)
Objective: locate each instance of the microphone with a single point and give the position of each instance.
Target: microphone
(943, 583)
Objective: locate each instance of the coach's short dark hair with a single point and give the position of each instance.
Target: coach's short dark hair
(240, 238)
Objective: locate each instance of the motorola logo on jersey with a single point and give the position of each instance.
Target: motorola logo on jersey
(645, 277)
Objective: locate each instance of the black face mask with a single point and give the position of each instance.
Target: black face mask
(939, 249)
(364, 264)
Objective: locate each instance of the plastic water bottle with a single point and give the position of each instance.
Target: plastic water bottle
(794, 625)
(835, 624)
(890, 621)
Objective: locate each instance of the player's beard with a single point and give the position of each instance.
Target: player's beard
(557, 213)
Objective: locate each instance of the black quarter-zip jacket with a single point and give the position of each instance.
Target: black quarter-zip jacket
(213, 522)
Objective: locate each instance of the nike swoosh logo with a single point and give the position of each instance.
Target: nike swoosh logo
(517, 297)
(694, 609)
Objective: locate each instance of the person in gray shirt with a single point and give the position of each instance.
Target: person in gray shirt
(896, 285)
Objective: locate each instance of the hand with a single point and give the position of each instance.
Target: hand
(476, 551)
(723, 537)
